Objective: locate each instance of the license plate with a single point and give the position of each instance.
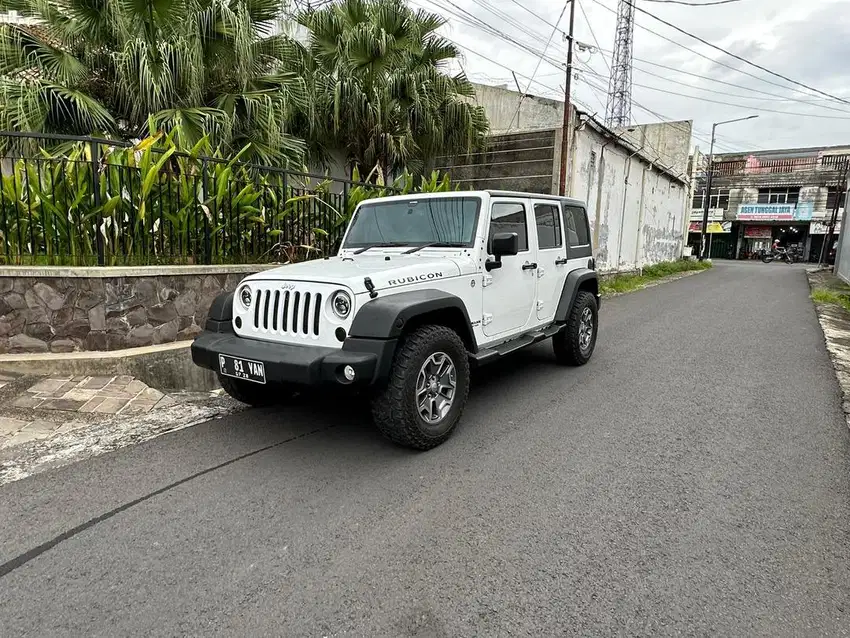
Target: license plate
(242, 368)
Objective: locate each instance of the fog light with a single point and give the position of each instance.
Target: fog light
(349, 373)
(238, 322)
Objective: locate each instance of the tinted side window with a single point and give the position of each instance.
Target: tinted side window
(509, 217)
(548, 221)
(577, 230)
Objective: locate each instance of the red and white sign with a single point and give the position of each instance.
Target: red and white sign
(758, 232)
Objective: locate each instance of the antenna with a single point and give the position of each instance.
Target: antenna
(619, 110)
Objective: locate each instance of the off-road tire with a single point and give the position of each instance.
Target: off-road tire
(253, 394)
(568, 350)
(394, 408)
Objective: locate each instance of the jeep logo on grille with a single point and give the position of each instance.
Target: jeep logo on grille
(287, 286)
(415, 278)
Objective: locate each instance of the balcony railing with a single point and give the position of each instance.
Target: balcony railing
(756, 166)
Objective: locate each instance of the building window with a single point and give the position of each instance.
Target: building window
(833, 195)
(784, 195)
(719, 199)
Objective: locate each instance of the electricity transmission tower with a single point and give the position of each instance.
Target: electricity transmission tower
(619, 109)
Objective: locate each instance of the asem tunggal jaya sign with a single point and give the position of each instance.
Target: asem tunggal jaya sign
(775, 212)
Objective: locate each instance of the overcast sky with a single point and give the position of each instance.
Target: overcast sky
(805, 40)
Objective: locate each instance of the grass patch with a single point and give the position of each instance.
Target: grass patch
(618, 284)
(824, 296)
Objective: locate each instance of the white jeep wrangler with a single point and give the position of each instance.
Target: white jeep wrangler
(423, 287)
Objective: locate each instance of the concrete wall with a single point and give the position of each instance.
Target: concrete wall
(667, 142)
(638, 214)
(518, 161)
(83, 309)
(501, 104)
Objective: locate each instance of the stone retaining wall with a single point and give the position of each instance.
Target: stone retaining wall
(70, 309)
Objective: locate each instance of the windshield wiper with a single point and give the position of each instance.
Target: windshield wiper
(440, 244)
(383, 244)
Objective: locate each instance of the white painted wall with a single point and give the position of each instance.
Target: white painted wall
(638, 214)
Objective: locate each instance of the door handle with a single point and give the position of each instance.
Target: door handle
(560, 261)
(527, 266)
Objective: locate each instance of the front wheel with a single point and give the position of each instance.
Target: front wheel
(575, 343)
(427, 389)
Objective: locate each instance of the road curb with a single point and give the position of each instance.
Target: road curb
(835, 324)
(164, 367)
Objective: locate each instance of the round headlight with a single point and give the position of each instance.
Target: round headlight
(341, 304)
(245, 297)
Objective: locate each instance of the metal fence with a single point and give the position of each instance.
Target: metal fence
(67, 200)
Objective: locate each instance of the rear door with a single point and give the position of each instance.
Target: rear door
(551, 257)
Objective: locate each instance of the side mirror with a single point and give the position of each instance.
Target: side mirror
(502, 244)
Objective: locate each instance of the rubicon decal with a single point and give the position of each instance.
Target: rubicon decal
(415, 278)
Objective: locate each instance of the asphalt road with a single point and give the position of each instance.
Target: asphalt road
(694, 479)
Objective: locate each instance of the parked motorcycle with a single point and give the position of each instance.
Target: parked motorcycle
(777, 255)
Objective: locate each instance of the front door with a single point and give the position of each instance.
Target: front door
(551, 258)
(509, 292)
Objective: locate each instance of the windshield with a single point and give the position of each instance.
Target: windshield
(443, 220)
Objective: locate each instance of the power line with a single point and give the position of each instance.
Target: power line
(702, 55)
(536, 68)
(736, 56)
(745, 97)
(695, 4)
(524, 8)
(593, 35)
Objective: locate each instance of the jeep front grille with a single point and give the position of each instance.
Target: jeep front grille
(294, 312)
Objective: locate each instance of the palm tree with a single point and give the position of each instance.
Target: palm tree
(197, 67)
(381, 93)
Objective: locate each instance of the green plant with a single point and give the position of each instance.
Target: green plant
(197, 68)
(151, 204)
(377, 72)
(619, 284)
(824, 296)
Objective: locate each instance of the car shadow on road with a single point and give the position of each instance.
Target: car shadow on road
(348, 414)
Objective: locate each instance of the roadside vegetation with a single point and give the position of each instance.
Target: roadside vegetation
(619, 284)
(824, 296)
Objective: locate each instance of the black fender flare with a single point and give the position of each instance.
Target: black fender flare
(220, 315)
(571, 287)
(387, 316)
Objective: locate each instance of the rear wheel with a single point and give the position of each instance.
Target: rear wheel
(575, 343)
(426, 391)
(254, 394)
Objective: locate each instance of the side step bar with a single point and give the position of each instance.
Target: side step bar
(488, 355)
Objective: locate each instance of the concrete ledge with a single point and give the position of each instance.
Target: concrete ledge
(164, 367)
(104, 272)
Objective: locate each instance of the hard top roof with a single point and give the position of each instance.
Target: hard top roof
(492, 193)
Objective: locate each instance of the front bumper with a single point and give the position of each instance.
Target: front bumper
(305, 365)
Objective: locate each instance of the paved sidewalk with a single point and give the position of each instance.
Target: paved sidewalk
(51, 421)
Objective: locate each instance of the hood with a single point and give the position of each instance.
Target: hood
(385, 273)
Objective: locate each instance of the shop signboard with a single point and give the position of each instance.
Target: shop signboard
(713, 227)
(821, 228)
(714, 214)
(776, 212)
(758, 232)
(781, 212)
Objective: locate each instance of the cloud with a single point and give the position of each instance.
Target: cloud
(805, 41)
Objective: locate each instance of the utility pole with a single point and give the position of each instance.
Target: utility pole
(833, 220)
(566, 133)
(708, 181)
